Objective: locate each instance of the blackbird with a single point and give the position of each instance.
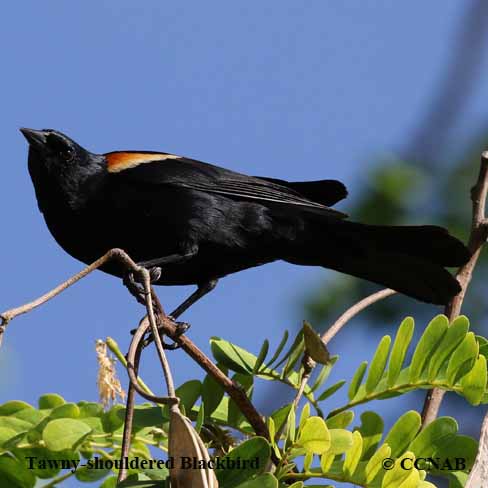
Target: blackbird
(196, 222)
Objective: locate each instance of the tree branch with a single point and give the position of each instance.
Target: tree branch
(167, 326)
(477, 238)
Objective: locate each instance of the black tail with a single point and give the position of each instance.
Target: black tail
(410, 260)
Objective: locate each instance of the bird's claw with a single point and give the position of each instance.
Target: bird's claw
(135, 287)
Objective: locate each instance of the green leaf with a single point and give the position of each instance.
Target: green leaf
(399, 350)
(375, 464)
(232, 356)
(62, 434)
(47, 463)
(462, 359)
(431, 337)
(189, 393)
(13, 473)
(90, 409)
(266, 480)
(353, 455)
(51, 400)
(261, 356)
(280, 416)
(323, 374)
(257, 449)
(314, 345)
(9, 408)
(68, 410)
(330, 391)
(315, 436)
(295, 354)
(235, 414)
(304, 415)
(457, 479)
(378, 364)
(341, 420)
(212, 392)
(113, 419)
(432, 435)
(200, 418)
(403, 432)
(341, 440)
(307, 461)
(290, 425)
(297, 342)
(281, 345)
(357, 380)
(109, 482)
(371, 430)
(458, 446)
(455, 333)
(144, 416)
(398, 475)
(327, 459)
(90, 475)
(474, 382)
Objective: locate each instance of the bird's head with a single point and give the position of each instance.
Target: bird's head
(58, 162)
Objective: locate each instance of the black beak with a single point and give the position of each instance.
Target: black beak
(34, 137)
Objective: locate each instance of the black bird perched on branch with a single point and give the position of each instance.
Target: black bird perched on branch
(200, 222)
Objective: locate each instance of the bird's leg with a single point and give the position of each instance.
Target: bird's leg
(182, 327)
(200, 292)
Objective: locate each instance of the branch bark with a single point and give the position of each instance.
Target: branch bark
(477, 238)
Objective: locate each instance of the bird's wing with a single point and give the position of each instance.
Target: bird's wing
(162, 168)
(326, 192)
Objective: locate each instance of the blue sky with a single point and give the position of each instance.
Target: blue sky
(292, 90)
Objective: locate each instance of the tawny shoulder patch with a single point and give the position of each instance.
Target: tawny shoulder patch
(121, 160)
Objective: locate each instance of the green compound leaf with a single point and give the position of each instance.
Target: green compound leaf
(399, 350)
(232, 356)
(378, 364)
(431, 337)
(63, 434)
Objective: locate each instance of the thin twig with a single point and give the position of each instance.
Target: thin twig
(477, 238)
(133, 367)
(353, 311)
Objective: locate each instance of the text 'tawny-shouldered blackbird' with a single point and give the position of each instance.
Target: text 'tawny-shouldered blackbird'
(200, 222)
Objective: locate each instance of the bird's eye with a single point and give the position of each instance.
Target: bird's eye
(67, 154)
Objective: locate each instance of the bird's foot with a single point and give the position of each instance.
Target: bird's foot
(135, 287)
(181, 328)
